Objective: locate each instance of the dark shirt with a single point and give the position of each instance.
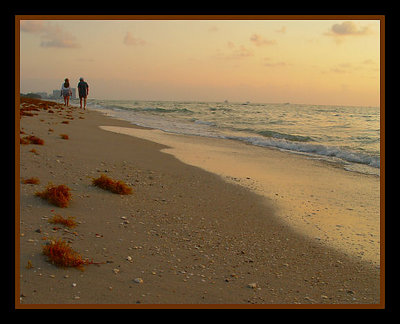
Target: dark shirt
(83, 88)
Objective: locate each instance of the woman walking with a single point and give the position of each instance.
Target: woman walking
(66, 91)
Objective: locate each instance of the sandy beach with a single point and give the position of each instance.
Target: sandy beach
(200, 229)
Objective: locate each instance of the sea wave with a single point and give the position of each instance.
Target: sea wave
(203, 122)
(336, 142)
(318, 149)
(290, 137)
(149, 109)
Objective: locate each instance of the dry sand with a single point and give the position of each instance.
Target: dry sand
(184, 238)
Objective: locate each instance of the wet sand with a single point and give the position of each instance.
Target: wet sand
(327, 203)
(195, 231)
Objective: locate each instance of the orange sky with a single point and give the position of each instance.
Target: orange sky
(299, 61)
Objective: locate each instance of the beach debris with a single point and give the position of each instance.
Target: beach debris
(61, 254)
(64, 136)
(115, 186)
(138, 280)
(116, 271)
(58, 195)
(32, 180)
(58, 219)
(252, 285)
(34, 151)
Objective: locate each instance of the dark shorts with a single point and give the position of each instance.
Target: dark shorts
(82, 95)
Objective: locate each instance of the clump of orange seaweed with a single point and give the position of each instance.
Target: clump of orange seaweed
(65, 122)
(64, 136)
(33, 180)
(61, 254)
(56, 195)
(58, 219)
(107, 183)
(31, 139)
(34, 151)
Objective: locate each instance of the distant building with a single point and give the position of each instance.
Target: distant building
(42, 94)
(56, 94)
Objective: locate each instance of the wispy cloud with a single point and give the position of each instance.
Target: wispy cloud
(51, 35)
(85, 60)
(32, 26)
(133, 41)
(366, 66)
(234, 51)
(349, 28)
(346, 29)
(261, 41)
(281, 30)
(213, 29)
(269, 63)
(276, 64)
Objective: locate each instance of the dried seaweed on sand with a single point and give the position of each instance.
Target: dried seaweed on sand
(56, 195)
(115, 186)
(61, 254)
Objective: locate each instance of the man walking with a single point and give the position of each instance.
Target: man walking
(83, 89)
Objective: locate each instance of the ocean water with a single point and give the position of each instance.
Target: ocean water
(346, 136)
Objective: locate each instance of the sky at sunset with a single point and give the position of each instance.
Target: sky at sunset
(333, 62)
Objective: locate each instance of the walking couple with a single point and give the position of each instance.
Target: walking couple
(83, 89)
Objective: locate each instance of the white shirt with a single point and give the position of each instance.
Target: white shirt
(64, 89)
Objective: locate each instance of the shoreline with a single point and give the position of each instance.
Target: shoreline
(338, 217)
(191, 237)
